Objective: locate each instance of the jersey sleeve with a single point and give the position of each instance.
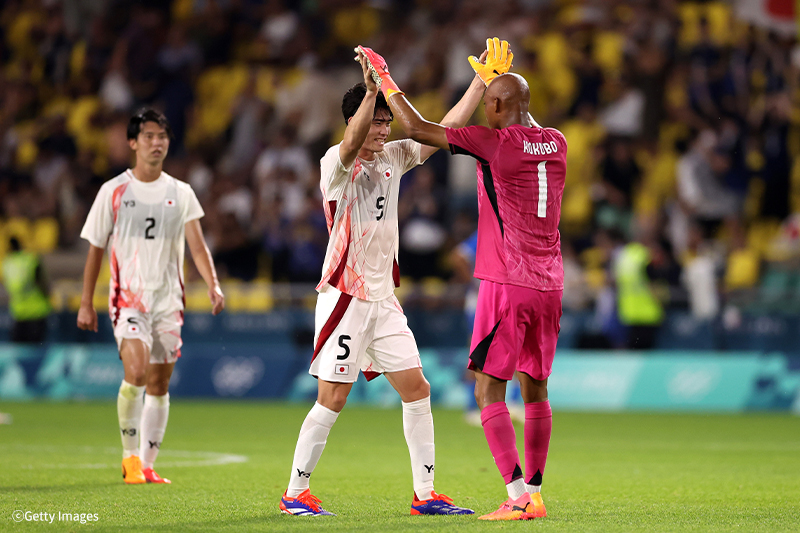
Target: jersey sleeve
(192, 210)
(333, 174)
(100, 221)
(478, 141)
(405, 153)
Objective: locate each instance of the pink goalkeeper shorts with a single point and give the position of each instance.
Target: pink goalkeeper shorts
(516, 328)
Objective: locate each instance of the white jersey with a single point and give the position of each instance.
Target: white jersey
(142, 225)
(360, 205)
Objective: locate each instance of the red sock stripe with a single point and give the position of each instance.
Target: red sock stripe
(333, 321)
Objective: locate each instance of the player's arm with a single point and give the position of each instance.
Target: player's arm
(87, 316)
(458, 116)
(357, 129)
(429, 133)
(205, 265)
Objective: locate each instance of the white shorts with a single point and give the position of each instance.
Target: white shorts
(353, 335)
(158, 325)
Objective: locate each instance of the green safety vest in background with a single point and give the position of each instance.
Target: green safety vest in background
(26, 299)
(636, 303)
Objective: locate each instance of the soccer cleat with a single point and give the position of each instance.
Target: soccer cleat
(151, 477)
(538, 505)
(519, 509)
(306, 504)
(438, 504)
(132, 470)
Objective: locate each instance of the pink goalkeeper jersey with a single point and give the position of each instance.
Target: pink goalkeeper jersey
(521, 175)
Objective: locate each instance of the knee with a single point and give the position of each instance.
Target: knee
(334, 400)
(136, 375)
(423, 389)
(158, 388)
(532, 390)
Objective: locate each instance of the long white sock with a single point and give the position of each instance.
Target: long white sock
(310, 443)
(129, 412)
(418, 429)
(154, 423)
(533, 489)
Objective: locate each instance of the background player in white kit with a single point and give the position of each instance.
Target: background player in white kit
(360, 325)
(141, 217)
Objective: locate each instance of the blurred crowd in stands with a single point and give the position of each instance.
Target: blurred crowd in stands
(681, 119)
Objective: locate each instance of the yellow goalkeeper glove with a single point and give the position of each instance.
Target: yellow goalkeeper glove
(498, 60)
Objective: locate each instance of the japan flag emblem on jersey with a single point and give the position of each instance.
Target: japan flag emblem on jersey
(387, 174)
(169, 202)
(133, 328)
(342, 369)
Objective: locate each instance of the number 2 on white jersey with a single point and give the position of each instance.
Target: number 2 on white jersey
(542, 211)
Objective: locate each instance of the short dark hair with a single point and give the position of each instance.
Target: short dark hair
(147, 115)
(353, 98)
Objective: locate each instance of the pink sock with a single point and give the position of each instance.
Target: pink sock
(502, 440)
(538, 426)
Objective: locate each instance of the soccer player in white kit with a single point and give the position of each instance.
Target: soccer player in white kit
(360, 326)
(144, 217)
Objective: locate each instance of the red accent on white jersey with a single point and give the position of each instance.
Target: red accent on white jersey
(142, 226)
(360, 206)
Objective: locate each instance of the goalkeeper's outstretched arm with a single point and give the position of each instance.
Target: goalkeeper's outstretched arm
(429, 133)
(457, 117)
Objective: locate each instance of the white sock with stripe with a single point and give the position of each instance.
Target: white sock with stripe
(154, 423)
(310, 444)
(418, 429)
(129, 413)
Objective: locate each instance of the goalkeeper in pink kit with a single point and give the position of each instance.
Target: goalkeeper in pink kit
(521, 171)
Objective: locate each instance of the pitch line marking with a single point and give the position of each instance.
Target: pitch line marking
(175, 458)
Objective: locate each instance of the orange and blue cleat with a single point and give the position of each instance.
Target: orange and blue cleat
(132, 470)
(305, 504)
(151, 477)
(438, 504)
(520, 509)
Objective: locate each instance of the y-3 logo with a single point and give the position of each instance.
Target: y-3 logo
(300, 473)
(131, 432)
(129, 203)
(429, 468)
(156, 445)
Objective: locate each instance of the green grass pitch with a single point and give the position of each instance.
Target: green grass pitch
(229, 463)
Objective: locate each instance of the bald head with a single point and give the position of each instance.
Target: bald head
(510, 89)
(507, 99)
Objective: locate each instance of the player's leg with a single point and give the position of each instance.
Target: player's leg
(331, 398)
(493, 356)
(155, 416)
(538, 427)
(134, 354)
(394, 351)
(415, 394)
(298, 500)
(534, 367)
(490, 393)
(341, 322)
(166, 350)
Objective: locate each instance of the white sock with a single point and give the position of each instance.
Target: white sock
(516, 488)
(532, 489)
(129, 412)
(310, 443)
(154, 423)
(418, 428)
